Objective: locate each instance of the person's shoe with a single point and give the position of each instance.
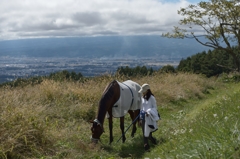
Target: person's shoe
(146, 147)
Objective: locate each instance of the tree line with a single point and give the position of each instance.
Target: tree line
(211, 63)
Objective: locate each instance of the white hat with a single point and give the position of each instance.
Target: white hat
(144, 88)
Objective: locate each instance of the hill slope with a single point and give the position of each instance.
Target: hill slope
(200, 119)
(206, 128)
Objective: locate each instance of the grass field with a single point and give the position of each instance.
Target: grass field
(200, 119)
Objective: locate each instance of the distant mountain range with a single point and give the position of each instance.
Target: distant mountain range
(102, 47)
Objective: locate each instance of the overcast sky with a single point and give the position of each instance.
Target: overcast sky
(61, 18)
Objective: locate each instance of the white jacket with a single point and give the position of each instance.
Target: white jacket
(151, 117)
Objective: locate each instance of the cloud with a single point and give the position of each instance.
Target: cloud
(59, 18)
(88, 18)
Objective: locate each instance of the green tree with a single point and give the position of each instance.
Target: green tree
(185, 65)
(65, 75)
(167, 69)
(137, 71)
(219, 21)
(207, 63)
(144, 71)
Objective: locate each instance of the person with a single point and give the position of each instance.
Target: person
(148, 115)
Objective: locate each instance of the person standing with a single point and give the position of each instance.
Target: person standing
(148, 115)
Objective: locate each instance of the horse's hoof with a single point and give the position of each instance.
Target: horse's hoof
(110, 141)
(124, 139)
(132, 135)
(133, 131)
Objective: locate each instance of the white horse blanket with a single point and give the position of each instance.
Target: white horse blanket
(129, 98)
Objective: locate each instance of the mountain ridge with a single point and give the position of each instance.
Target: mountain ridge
(97, 47)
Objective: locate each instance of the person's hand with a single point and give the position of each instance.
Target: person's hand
(140, 123)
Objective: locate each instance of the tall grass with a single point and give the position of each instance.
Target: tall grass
(50, 119)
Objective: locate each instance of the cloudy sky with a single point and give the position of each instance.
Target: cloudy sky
(61, 18)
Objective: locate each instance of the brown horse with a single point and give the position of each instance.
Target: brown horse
(117, 99)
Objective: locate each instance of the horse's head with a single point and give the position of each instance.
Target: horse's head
(97, 130)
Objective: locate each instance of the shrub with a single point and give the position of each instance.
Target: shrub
(167, 69)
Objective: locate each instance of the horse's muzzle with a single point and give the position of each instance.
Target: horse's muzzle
(94, 140)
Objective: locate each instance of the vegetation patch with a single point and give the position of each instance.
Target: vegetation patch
(50, 119)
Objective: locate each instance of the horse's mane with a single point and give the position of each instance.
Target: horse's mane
(108, 94)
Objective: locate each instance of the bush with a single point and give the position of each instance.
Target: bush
(65, 75)
(167, 69)
(133, 72)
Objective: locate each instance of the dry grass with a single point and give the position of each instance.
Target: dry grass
(173, 87)
(50, 119)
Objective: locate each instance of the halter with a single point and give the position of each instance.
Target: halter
(98, 123)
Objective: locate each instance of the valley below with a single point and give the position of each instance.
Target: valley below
(12, 68)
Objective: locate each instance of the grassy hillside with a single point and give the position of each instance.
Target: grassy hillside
(200, 119)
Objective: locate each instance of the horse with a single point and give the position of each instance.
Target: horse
(117, 100)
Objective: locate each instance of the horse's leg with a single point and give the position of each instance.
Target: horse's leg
(122, 128)
(110, 125)
(134, 125)
(134, 114)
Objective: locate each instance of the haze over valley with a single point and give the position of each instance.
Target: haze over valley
(90, 55)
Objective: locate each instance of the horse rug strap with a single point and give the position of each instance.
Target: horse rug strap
(129, 98)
